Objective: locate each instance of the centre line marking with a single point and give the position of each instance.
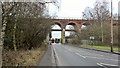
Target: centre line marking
(81, 55)
(101, 58)
(68, 49)
(101, 65)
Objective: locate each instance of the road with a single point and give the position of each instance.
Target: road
(74, 56)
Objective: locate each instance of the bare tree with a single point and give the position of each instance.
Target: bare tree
(24, 21)
(88, 14)
(100, 15)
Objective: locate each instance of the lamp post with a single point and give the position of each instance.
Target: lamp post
(111, 29)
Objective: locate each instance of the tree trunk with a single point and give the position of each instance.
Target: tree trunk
(14, 38)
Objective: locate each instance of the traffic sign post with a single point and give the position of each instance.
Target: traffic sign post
(92, 38)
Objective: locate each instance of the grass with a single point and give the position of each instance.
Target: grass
(0, 56)
(108, 48)
(23, 57)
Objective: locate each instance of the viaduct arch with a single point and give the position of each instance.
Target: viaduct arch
(77, 23)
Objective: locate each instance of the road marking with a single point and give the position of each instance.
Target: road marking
(89, 53)
(68, 49)
(78, 51)
(101, 58)
(53, 57)
(108, 64)
(57, 58)
(101, 65)
(80, 55)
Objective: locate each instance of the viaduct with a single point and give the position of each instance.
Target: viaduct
(77, 23)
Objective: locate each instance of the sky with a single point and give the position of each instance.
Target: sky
(57, 34)
(73, 9)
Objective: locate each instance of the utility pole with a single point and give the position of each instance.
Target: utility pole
(111, 29)
(102, 25)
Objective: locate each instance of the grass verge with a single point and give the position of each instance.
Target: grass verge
(23, 57)
(107, 48)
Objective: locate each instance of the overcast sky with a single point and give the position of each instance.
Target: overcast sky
(74, 8)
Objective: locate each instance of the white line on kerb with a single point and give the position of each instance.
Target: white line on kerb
(53, 57)
(81, 55)
(56, 55)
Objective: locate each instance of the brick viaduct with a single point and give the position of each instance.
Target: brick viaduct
(77, 23)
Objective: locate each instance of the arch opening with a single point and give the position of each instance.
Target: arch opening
(56, 32)
(56, 25)
(71, 26)
(83, 27)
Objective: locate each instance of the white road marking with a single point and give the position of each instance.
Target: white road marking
(58, 60)
(53, 58)
(92, 56)
(89, 53)
(108, 64)
(101, 58)
(68, 49)
(101, 65)
(81, 55)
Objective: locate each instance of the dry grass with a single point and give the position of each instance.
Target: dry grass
(0, 56)
(22, 57)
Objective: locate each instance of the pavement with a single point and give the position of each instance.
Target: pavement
(64, 55)
(49, 58)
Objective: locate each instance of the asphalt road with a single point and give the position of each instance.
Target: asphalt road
(73, 56)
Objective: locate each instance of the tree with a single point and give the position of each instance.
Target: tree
(88, 14)
(100, 16)
(1, 43)
(25, 24)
